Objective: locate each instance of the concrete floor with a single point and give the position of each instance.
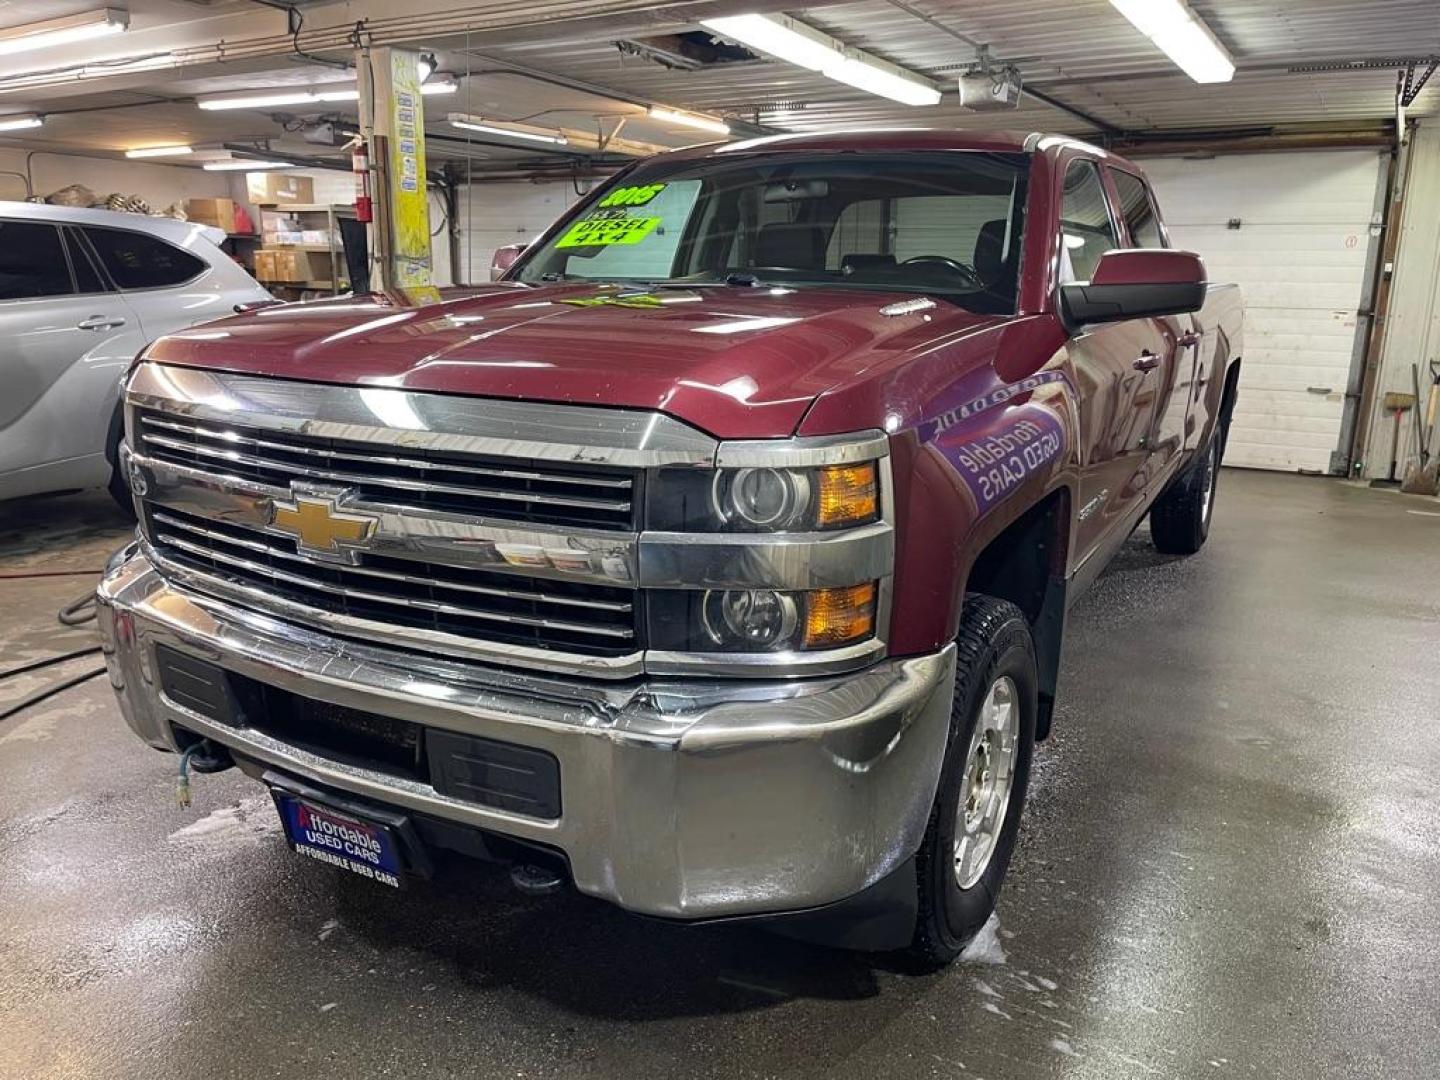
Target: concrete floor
(1230, 866)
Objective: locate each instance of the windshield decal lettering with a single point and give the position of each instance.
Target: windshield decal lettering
(607, 228)
(632, 196)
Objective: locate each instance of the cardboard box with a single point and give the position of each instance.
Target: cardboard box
(217, 212)
(291, 266)
(279, 188)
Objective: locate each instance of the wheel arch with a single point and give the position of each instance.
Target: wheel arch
(1026, 563)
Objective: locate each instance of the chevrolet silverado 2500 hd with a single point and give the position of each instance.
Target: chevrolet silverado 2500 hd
(715, 560)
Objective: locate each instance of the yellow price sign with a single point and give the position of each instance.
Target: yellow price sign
(607, 231)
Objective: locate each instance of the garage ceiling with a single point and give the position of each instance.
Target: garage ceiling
(1081, 54)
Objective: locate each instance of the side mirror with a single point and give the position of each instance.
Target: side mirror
(1134, 284)
(504, 258)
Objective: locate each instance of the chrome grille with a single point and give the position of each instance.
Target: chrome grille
(421, 479)
(513, 609)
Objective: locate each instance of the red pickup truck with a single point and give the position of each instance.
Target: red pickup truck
(715, 560)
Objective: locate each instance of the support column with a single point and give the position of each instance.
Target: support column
(392, 121)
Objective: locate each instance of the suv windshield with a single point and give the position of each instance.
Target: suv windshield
(946, 224)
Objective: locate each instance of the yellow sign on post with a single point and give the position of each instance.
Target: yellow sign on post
(400, 118)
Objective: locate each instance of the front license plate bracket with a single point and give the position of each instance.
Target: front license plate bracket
(400, 851)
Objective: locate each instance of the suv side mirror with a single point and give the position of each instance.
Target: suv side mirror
(504, 258)
(1136, 283)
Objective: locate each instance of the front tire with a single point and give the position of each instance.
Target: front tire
(1180, 518)
(973, 825)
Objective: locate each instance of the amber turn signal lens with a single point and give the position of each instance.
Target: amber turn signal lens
(839, 616)
(849, 495)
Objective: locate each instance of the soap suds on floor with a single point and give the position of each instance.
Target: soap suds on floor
(991, 1007)
(985, 948)
(1060, 1046)
(250, 819)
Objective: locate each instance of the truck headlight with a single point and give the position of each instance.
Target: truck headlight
(758, 619)
(763, 499)
(761, 620)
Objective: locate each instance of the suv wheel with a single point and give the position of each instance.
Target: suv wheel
(973, 825)
(1180, 518)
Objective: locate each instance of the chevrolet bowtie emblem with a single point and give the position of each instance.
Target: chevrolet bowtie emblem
(318, 526)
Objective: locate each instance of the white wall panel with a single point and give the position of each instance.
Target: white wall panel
(494, 214)
(1299, 255)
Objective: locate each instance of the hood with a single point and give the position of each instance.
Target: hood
(737, 362)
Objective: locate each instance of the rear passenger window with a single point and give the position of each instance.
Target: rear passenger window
(1086, 231)
(1138, 210)
(87, 278)
(32, 262)
(137, 261)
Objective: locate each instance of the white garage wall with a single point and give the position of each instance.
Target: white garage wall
(495, 214)
(1300, 257)
(159, 185)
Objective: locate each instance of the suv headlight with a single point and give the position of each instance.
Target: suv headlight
(764, 499)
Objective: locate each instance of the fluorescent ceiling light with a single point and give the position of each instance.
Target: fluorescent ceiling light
(159, 151)
(502, 127)
(1181, 35)
(312, 95)
(258, 99)
(792, 41)
(16, 123)
(884, 80)
(237, 164)
(72, 28)
(695, 120)
(781, 37)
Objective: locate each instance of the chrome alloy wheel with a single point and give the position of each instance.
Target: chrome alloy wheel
(1207, 480)
(987, 780)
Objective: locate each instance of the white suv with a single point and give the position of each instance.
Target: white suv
(81, 292)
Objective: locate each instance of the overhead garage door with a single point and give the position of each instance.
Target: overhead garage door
(493, 215)
(1299, 253)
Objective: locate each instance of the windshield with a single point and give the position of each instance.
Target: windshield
(947, 225)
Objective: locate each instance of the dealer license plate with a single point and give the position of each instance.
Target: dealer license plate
(363, 847)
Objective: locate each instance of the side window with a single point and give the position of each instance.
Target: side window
(1138, 210)
(32, 261)
(1086, 231)
(87, 278)
(137, 261)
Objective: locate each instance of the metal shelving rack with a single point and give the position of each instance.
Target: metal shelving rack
(306, 212)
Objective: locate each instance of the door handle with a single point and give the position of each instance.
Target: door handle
(100, 322)
(1146, 361)
(1185, 341)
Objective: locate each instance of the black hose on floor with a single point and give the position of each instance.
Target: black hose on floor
(79, 611)
(49, 661)
(49, 692)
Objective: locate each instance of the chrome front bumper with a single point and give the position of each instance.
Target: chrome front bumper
(686, 798)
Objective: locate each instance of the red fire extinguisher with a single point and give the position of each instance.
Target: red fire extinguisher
(360, 166)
